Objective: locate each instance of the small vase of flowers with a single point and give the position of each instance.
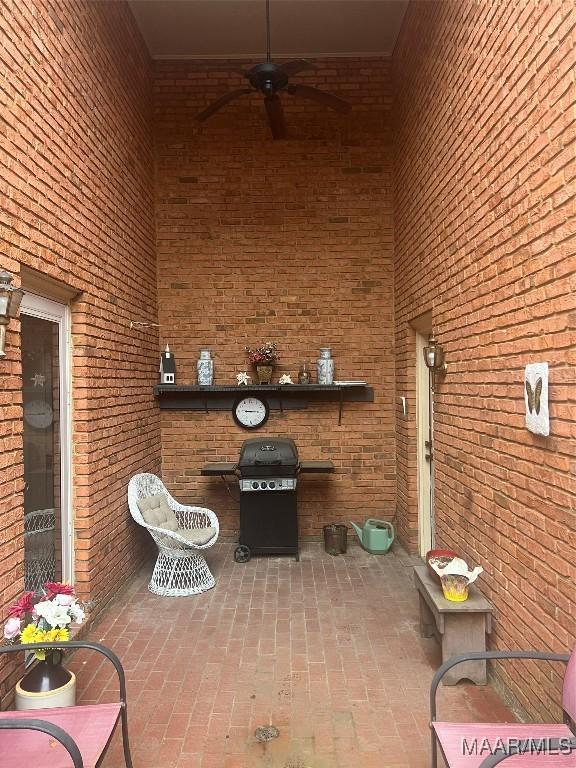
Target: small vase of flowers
(264, 358)
(45, 616)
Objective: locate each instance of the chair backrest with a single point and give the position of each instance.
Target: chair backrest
(140, 487)
(569, 688)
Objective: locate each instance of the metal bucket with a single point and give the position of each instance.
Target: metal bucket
(335, 539)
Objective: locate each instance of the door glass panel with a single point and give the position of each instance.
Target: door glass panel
(41, 401)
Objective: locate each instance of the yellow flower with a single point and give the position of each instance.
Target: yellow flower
(30, 634)
(56, 634)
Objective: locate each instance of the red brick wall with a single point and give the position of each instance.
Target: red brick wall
(484, 206)
(289, 241)
(76, 191)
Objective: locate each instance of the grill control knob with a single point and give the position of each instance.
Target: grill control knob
(263, 485)
(272, 485)
(255, 486)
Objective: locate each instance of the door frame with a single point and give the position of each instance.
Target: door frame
(422, 326)
(55, 312)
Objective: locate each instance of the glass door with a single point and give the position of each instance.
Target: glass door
(47, 519)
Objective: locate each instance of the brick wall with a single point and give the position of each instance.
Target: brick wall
(290, 241)
(76, 191)
(484, 205)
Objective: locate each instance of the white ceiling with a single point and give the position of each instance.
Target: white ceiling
(188, 29)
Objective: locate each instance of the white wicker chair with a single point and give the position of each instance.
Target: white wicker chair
(180, 569)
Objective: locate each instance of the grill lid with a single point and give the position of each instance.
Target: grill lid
(268, 452)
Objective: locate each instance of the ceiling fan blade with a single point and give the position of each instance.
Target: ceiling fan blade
(275, 114)
(297, 65)
(327, 99)
(221, 102)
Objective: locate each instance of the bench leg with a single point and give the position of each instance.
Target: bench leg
(426, 618)
(462, 633)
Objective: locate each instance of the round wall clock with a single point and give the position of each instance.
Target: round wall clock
(250, 412)
(38, 414)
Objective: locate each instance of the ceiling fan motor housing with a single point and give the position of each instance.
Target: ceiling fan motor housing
(268, 78)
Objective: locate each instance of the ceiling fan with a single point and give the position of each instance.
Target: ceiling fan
(270, 79)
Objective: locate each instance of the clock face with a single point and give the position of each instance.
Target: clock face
(38, 414)
(250, 412)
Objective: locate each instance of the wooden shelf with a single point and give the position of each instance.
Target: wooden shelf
(280, 397)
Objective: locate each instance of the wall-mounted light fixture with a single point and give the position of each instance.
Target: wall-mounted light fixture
(434, 358)
(10, 298)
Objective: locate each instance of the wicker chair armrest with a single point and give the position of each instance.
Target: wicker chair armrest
(530, 747)
(57, 733)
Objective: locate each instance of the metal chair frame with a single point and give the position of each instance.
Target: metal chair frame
(14, 723)
(499, 755)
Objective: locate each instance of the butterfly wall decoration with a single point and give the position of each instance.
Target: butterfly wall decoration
(534, 395)
(536, 398)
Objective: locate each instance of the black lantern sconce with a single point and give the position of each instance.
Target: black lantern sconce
(10, 298)
(434, 359)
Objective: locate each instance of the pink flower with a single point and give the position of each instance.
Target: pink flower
(24, 605)
(12, 628)
(57, 588)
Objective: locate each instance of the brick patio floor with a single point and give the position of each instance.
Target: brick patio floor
(326, 649)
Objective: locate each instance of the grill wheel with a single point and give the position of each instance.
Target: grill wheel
(242, 554)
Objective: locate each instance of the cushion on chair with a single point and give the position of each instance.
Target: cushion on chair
(199, 536)
(155, 511)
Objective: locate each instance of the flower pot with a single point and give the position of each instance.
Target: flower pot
(264, 373)
(44, 686)
(455, 588)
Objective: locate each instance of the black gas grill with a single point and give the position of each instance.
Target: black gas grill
(268, 508)
(268, 469)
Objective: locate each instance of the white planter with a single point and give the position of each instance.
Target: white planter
(65, 696)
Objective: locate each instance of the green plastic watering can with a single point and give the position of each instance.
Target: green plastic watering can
(376, 536)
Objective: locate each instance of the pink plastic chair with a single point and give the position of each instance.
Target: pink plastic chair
(59, 737)
(521, 745)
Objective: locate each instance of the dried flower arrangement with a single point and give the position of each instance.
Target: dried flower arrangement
(266, 354)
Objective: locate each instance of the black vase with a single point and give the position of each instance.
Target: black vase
(46, 675)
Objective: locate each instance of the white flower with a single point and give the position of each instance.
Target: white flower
(63, 599)
(53, 614)
(77, 613)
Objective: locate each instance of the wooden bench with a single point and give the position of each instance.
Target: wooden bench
(459, 627)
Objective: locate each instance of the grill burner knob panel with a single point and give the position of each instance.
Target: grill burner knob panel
(275, 485)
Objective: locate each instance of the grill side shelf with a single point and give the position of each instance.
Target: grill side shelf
(218, 469)
(317, 467)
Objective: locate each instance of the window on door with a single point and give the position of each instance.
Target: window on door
(47, 539)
